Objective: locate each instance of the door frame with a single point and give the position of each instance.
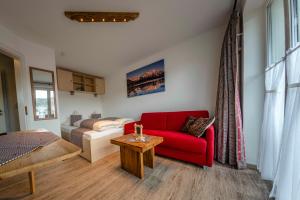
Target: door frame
(21, 83)
(2, 92)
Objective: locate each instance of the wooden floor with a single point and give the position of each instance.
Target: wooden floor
(78, 179)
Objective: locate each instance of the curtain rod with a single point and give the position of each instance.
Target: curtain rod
(275, 64)
(294, 85)
(291, 50)
(288, 52)
(271, 91)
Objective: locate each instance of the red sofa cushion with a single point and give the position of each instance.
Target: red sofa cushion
(180, 141)
(154, 121)
(169, 120)
(176, 120)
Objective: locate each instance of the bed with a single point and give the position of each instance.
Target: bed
(95, 144)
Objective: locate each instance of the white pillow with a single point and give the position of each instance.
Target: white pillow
(124, 121)
(105, 124)
(77, 123)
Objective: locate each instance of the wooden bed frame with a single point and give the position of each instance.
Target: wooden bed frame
(95, 149)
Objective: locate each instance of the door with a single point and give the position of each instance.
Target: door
(2, 114)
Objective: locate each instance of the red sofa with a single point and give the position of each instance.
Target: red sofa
(176, 144)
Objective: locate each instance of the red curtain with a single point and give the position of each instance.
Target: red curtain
(230, 141)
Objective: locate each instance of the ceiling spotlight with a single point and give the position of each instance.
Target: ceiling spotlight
(86, 17)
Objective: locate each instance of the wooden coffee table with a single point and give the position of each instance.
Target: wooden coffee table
(134, 155)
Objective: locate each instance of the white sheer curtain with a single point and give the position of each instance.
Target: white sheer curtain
(287, 181)
(271, 131)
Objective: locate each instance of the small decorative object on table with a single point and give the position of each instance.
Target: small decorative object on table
(138, 130)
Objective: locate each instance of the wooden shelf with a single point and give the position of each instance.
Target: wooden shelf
(84, 83)
(80, 82)
(89, 80)
(76, 82)
(92, 85)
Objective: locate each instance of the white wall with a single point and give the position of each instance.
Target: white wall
(29, 54)
(254, 65)
(191, 73)
(84, 104)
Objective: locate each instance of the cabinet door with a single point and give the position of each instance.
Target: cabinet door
(100, 86)
(64, 80)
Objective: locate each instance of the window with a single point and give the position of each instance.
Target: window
(295, 22)
(44, 103)
(280, 148)
(276, 31)
(43, 94)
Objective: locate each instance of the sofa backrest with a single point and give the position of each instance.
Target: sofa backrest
(169, 120)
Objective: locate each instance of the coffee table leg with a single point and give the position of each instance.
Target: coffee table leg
(132, 162)
(31, 181)
(149, 158)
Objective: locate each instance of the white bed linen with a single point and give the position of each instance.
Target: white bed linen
(90, 135)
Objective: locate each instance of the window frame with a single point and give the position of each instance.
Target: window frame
(293, 23)
(286, 4)
(268, 36)
(33, 90)
(48, 90)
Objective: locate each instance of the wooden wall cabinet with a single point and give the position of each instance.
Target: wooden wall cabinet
(73, 81)
(64, 80)
(100, 86)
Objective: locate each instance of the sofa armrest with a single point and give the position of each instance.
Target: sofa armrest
(129, 128)
(210, 138)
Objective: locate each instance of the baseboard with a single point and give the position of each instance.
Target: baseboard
(252, 166)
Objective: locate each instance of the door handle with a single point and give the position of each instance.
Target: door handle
(1, 112)
(26, 110)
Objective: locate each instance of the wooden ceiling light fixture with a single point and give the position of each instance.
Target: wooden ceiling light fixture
(101, 16)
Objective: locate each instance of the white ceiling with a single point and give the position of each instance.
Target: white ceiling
(101, 48)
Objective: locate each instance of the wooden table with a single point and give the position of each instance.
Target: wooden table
(134, 155)
(57, 151)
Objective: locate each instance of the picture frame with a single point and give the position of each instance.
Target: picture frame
(146, 80)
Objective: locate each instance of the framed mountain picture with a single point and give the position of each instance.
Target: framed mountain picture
(146, 80)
